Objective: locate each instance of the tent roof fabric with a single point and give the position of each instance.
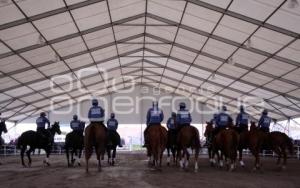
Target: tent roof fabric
(236, 48)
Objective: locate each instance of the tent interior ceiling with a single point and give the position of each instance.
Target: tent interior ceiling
(233, 48)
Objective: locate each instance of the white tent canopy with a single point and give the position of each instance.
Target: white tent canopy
(236, 49)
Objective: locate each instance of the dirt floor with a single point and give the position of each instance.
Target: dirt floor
(131, 171)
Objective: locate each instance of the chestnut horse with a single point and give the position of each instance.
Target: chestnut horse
(208, 133)
(188, 137)
(95, 136)
(157, 138)
(276, 141)
(226, 141)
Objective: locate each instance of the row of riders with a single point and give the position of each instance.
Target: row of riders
(223, 138)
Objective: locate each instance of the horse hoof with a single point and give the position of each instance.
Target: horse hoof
(79, 164)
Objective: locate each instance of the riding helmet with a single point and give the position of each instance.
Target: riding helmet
(75, 117)
(43, 114)
(265, 112)
(182, 105)
(112, 115)
(94, 102)
(155, 104)
(173, 114)
(224, 108)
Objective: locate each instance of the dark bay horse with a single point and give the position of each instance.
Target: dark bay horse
(74, 142)
(95, 136)
(36, 141)
(111, 148)
(157, 137)
(243, 144)
(2, 129)
(172, 146)
(276, 141)
(208, 133)
(227, 142)
(188, 137)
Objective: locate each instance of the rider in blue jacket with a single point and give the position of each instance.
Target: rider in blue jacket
(96, 113)
(76, 125)
(154, 117)
(171, 123)
(223, 120)
(183, 117)
(242, 120)
(264, 122)
(41, 126)
(112, 126)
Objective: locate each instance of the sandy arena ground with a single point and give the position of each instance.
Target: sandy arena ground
(131, 171)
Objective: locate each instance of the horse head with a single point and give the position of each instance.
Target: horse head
(208, 129)
(55, 128)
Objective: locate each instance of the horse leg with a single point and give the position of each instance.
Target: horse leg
(79, 157)
(46, 161)
(108, 155)
(22, 155)
(187, 158)
(68, 156)
(28, 155)
(283, 167)
(168, 156)
(196, 159)
(98, 152)
(241, 158)
(114, 155)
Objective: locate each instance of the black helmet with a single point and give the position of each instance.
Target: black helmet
(182, 105)
(75, 117)
(43, 114)
(94, 102)
(224, 108)
(155, 104)
(242, 108)
(265, 112)
(173, 114)
(112, 115)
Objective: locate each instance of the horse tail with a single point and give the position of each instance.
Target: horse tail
(197, 138)
(290, 144)
(19, 142)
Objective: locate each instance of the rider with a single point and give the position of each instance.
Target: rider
(171, 123)
(242, 120)
(213, 121)
(223, 120)
(154, 117)
(76, 125)
(264, 122)
(112, 126)
(41, 123)
(96, 113)
(183, 117)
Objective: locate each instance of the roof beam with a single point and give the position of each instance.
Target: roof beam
(74, 35)
(244, 18)
(216, 84)
(48, 14)
(224, 75)
(224, 40)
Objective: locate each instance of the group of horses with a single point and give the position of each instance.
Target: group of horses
(228, 142)
(225, 145)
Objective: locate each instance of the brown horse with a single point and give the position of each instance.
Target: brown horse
(95, 136)
(276, 141)
(243, 144)
(226, 141)
(188, 137)
(157, 138)
(208, 133)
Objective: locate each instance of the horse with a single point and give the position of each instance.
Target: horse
(2, 129)
(74, 141)
(36, 140)
(111, 147)
(172, 146)
(157, 137)
(188, 137)
(208, 133)
(227, 142)
(243, 144)
(277, 141)
(95, 136)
